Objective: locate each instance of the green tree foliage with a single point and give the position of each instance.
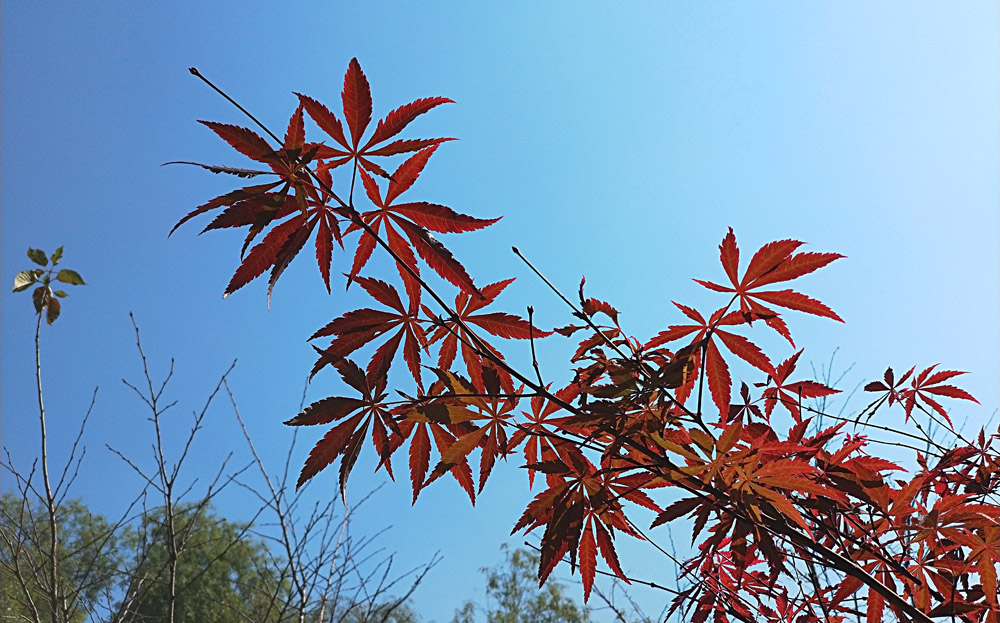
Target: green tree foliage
(224, 572)
(90, 555)
(513, 595)
(384, 612)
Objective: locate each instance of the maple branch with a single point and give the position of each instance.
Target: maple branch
(701, 374)
(576, 312)
(531, 339)
(477, 343)
(629, 579)
(644, 367)
(819, 593)
(934, 419)
(196, 73)
(776, 526)
(886, 429)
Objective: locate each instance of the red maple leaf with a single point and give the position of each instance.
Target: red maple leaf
(580, 512)
(357, 100)
(890, 386)
(497, 411)
(346, 438)
(773, 263)
(922, 386)
(790, 394)
(929, 383)
(280, 246)
(442, 418)
(258, 206)
(539, 432)
(413, 221)
(705, 332)
(500, 324)
(359, 327)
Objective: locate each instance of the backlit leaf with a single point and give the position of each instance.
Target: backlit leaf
(243, 140)
(38, 256)
(398, 119)
(24, 279)
(357, 98)
(263, 256)
(52, 309)
(71, 277)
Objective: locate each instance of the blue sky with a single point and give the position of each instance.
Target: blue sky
(616, 143)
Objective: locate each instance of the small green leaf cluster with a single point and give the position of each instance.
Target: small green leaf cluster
(44, 297)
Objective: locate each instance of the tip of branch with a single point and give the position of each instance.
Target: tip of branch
(194, 71)
(516, 250)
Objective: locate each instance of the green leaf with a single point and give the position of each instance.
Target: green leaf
(24, 279)
(56, 256)
(60, 293)
(52, 311)
(71, 277)
(38, 256)
(40, 297)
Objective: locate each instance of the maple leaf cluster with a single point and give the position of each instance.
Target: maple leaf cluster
(793, 516)
(302, 199)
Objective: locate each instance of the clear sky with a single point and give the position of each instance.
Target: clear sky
(617, 141)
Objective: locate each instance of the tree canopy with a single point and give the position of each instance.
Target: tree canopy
(513, 595)
(90, 560)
